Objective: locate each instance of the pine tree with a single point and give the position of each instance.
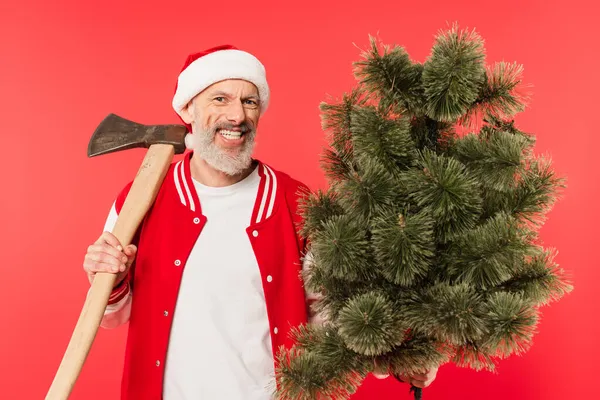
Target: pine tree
(425, 247)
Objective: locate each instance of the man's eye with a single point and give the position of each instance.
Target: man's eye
(251, 102)
(220, 99)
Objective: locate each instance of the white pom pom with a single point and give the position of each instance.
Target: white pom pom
(190, 141)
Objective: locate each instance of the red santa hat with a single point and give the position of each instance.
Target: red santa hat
(214, 65)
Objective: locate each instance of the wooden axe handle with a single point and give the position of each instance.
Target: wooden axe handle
(141, 196)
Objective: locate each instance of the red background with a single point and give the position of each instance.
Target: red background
(65, 65)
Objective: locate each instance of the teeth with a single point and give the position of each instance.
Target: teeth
(230, 134)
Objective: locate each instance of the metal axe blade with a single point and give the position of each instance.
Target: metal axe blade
(115, 133)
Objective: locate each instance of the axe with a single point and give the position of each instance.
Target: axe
(114, 134)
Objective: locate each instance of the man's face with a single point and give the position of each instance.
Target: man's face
(224, 119)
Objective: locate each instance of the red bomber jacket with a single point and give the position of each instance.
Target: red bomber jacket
(165, 240)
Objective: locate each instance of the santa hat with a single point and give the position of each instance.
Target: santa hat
(214, 65)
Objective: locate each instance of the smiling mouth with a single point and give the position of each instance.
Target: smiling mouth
(227, 134)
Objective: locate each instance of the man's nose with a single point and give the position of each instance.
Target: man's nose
(236, 113)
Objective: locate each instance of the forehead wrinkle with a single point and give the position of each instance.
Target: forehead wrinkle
(220, 92)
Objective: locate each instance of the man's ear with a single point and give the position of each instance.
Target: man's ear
(187, 113)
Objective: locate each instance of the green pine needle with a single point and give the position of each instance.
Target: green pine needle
(404, 246)
(416, 355)
(324, 342)
(454, 74)
(338, 160)
(500, 96)
(302, 375)
(449, 313)
(368, 326)
(316, 208)
(368, 192)
(341, 249)
(298, 376)
(493, 157)
(431, 134)
(336, 118)
(537, 189)
(471, 355)
(391, 76)
(539, 280)
(387, 140)
(488, 255)
(448, 190)
(338, 164)
(511, 324)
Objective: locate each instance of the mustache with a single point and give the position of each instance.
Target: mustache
(243, 127)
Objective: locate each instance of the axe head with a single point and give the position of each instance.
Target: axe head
(115, 133)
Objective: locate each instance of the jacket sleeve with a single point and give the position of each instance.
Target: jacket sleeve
(118, 310)
(300, 190)
(311, 298)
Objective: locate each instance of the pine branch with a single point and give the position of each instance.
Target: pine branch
(341, 249)
(504, 125)
(493, 157)
(539, 280)
(511, 323)
(500, 97)
(431, 134)
(369, 192)
(368, 325)
(471, 355)
(301, 375)
(324, 342)
(530, 196)
(336, 119)
(416, 355)
(338, 165)
(320, 366)
(537, 190)
(488, 255)
(404, 246)
(336, 292)
(316, 208)
(338, 160)
(392, 77)
(387, 140)
(454, 74)
(447, 189)
(449, 313)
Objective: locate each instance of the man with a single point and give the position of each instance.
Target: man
(213, 274)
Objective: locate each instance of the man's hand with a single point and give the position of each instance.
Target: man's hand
(418, 380)
(107, 255)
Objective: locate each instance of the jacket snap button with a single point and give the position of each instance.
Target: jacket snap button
(196, 220)
(178, 262)
(157, 363)
(269, 278)
(255, 233)
(166, 313)
(275, 330)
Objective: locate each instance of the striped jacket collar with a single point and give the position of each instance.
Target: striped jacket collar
(264, 206)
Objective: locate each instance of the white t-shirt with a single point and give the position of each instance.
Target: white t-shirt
(220, 346)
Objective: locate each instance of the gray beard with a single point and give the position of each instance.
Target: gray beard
(219, 159)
